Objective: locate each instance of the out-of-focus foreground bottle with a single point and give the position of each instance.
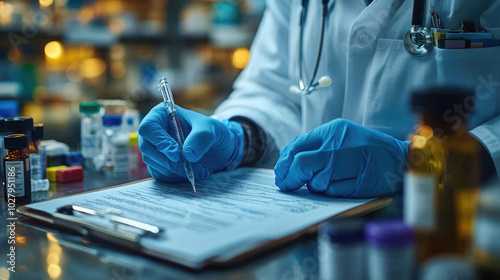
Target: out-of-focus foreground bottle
(441, 186)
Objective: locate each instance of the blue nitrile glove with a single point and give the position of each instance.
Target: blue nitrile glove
(341, 158)
(210, 145)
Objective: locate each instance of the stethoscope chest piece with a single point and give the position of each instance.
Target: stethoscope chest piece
(419, 40)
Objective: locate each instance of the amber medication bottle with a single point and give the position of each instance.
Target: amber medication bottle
(17, 184)
(441, 185)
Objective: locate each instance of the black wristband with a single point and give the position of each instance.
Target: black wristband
(255, 141)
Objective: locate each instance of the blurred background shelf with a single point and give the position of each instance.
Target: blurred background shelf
(57, 53)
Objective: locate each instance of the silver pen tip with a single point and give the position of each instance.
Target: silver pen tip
(194, 188)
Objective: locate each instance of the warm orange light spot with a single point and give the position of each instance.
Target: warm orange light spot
(426, 132)
(54, 271)
(14, 55)
(46, 3)
(419, 141)
(53, 50)
(51, 237)
(117, 69)
(92, 68)
(241, 57)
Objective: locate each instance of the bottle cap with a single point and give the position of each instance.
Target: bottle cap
(439, 99)
(389, 233)
(113, 106)
(133, 139)
(89, 107)
(16, 141)
(344, 231)
(3, 128)
(111, 120)
(20, 125)
(37, 132)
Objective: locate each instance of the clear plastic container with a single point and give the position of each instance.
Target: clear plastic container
(91, 135)
(116, 144)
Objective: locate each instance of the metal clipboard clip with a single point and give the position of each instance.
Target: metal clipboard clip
(65, 217)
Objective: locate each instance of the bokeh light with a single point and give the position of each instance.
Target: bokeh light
(14, 55)
(54, 271)
(5, 13)
(73, 72)
(117, 69)
(241, 57)
(92, 68)
(53, 50)
(46, 3)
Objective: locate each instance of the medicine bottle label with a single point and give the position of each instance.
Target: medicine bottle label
(89, 146)
(36, 166)
(419, 201)
(120, 158)
(14, 178)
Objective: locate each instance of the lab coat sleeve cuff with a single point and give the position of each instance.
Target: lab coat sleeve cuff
(271, 154)
(489, 135)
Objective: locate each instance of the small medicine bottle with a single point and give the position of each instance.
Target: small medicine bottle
(441, 185)
(390, 250)
(21, 125)
(91, 135)
(116, 144)
(17, 169)
(37, 158)
(341, 250)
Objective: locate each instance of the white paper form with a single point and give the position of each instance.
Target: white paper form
(231, 211)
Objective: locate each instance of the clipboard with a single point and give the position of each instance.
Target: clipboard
(128, 233)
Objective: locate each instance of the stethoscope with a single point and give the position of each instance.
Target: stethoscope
(324, 81)
(418, 41)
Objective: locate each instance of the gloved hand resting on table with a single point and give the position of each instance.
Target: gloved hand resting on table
(342, 158)
(210, 145)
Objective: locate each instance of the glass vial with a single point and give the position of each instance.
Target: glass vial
(91, 136)
(3, 132)
(441, 184)
(390, 250)
(17, 182)
(116, 144)
(37, 156)
(21, 125)
(341, 250)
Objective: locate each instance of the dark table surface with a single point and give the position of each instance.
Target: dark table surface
(43, 252)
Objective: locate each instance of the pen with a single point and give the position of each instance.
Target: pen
(164, 88)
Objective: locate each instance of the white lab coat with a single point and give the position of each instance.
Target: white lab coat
(372, 72)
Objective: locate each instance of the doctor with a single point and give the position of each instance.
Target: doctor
(347, 139)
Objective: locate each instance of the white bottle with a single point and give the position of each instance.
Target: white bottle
(116, 142)
(341, 250)
(390, 250)
(91, 136)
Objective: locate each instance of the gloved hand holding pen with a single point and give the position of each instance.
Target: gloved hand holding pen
(342, 158)
(211, 145)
